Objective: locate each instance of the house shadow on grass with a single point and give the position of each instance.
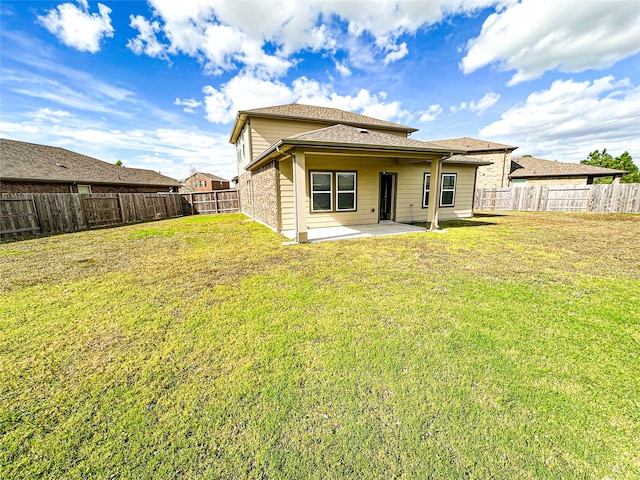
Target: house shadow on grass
(449, 224)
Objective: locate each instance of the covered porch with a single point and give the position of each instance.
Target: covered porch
(327, 234)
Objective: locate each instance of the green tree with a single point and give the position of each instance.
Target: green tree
(606, 160)
(119, 163)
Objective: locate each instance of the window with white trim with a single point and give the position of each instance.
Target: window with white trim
(448, 192)
(333, 191)
(345, 191)
(321, 191)
(426, 189)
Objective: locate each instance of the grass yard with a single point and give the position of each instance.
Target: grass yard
(508, 347)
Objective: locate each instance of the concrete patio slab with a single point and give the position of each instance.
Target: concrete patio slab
(356, 231)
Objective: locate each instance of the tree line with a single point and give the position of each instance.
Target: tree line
(622, 162)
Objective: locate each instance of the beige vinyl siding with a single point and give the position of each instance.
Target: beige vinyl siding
(244, 154)
(367, 178)
(410, 184)
(410, 190)
(287, 209)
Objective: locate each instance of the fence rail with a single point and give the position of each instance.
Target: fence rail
(24, 214)
(619, 198)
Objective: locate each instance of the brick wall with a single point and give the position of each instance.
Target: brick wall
(495, 175)
(258, 194)
(19, 187)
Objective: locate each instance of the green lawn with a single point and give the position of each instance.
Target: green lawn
(508, 347)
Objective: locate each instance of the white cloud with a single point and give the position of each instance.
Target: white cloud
(534, 36)
(227, 37)
(486, 102)
(458, 108)
(146, 42)
(343, 69)
(430, 114)
(245, 91)
(46, 114)
(75, 89)
(189, 104)
(489, 100)
(398, 52)
(76, 27)
(571, 119)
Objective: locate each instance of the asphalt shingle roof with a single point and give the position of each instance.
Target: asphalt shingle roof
(345, 136)
(469, 144)
(361, 136)
(524, 167)
(213, 177)
(29, 161)
(327, 114)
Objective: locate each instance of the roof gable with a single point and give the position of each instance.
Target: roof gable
(24, 161)
(302, 112)
(525, 167)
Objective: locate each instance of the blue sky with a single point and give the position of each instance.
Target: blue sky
(157, 84)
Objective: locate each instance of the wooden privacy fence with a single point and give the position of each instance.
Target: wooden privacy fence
(215, 201)
(44, 213)
(619, 198)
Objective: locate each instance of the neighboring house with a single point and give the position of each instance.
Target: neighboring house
(302, 167)
(531, 171)
(204, 182)
(32, 168)
(495, 175)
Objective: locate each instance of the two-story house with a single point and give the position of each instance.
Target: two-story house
(302, 167)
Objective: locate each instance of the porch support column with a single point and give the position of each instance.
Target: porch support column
(434, 194)
(300, 196)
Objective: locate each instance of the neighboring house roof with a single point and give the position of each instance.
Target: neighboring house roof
(340, 137)
(526, 167)
(215, 178)
(471, 145)
(22, 161)
(297, 111)
(210, 176)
